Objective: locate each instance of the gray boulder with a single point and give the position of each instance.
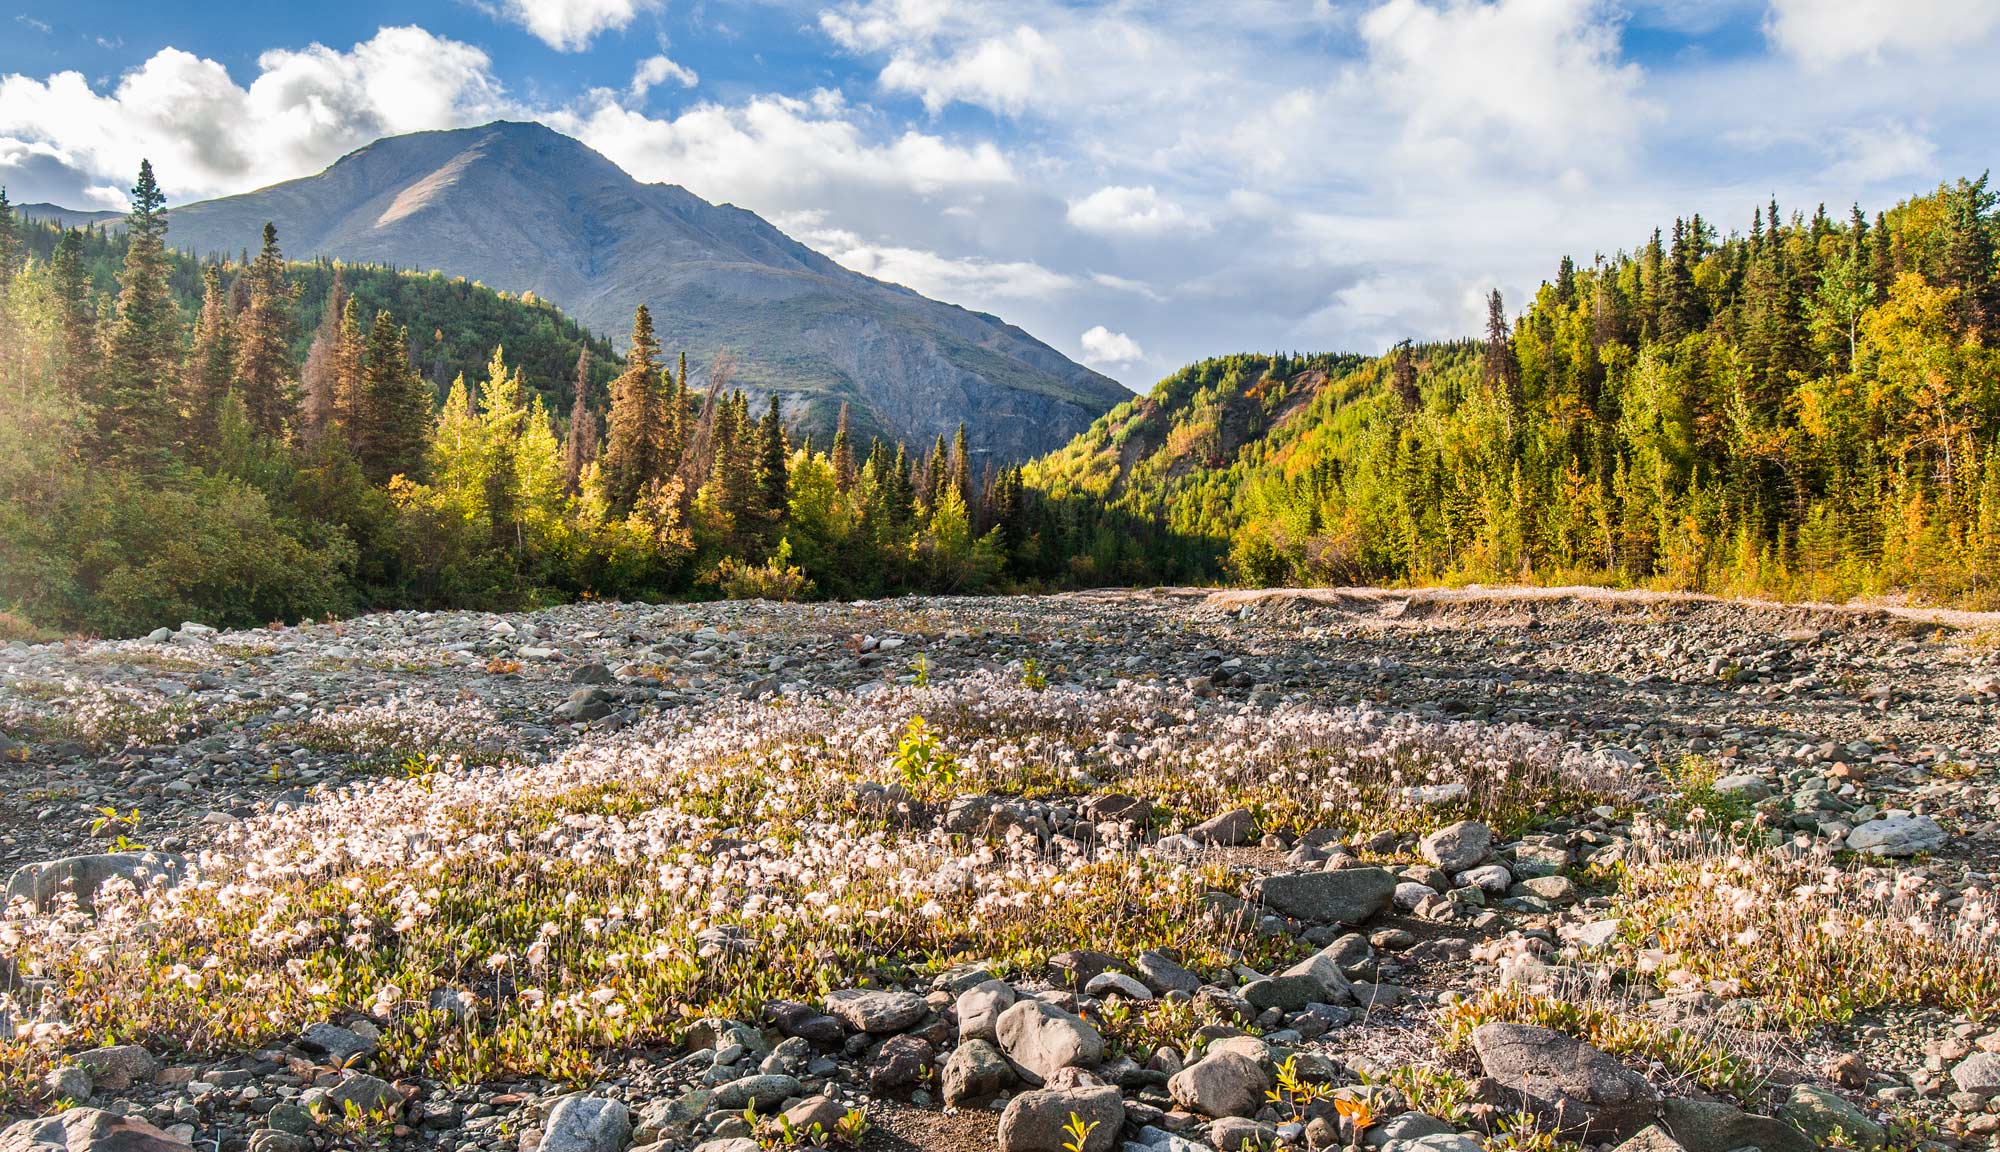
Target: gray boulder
(587, 1124)
(1221, 1084)
(1712, 1126)
(865, 1010)
(1041, 1038)
(1160, 973)
(975, 1071)
(119, 1066)
(339, 1046)
(1346, 896)
(766, 1091)
(1230, 830)
(1651, 1138)
(1439, 1142)
(591, 702)
(1978, 1074)
(1405, 1127)
(1897, 836)
(87, 1130)
(1236, 1134)
(1822, 1113)
(371, 1095)
(1038, 1121)
(40, 882)
(1585, 1093)
(979, 1009)
(1457, 847)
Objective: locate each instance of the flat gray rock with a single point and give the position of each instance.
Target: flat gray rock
(1582, 1091)
(1345, 896)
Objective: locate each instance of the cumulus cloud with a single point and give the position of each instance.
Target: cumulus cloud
(656, 70)
(1111, 349)
(1822, 33)
(206, 134)
(1882, 151)
(777, 151)
(1131, 211)
(570, 25)
(1001, 73)
(969, 280)
(1535, 81)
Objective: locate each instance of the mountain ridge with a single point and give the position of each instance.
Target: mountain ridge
(521, 207)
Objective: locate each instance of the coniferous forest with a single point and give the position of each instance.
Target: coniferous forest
(1806, 408)
(264, 440)
(1810, 407)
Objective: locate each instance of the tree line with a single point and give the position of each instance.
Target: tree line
(1806, 408)
(249, 440)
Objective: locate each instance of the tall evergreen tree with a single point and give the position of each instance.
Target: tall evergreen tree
(961, 465)
(772, 462)
(581, 445)
(207, 375)
(80, 358)
(1403, 377)
(318, 378)
(131, 398)
(395, 415)
(264, 375)
(1500, 369)
(1966, 260)
(350, 374)
(632, 439)
(10, 241)
(843, 452)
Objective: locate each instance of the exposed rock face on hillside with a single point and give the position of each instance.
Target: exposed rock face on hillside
(1197, 871)
(521, 207)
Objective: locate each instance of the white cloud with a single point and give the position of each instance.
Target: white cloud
(206, 134)
(777, 152)
(1526, 82)
(972, 281)
(1112, 349)
(1126, 284)
(1883, 151)
(1821, 33)
(1131, 211)
(656, 70)
(1001, 73)
(570, 25)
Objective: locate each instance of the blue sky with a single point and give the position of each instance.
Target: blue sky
(1139, 184)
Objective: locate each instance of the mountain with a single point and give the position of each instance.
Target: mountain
(522, 207)
(67, 217)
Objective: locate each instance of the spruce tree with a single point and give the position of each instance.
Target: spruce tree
(395, 415)
(207, 374)
(81, 358)
(580, 444)
(1403, 378)
(772, 463)
(936, 473)
(1500, 370)
(131, 398)
(630, 460)
(10, 241)
(503, 414)
(350, 374)
(264, 344)
(843, 452)
(318, 405)
(961, 465)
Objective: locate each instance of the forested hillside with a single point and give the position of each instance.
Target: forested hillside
(255, 440)
(1808, 408)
